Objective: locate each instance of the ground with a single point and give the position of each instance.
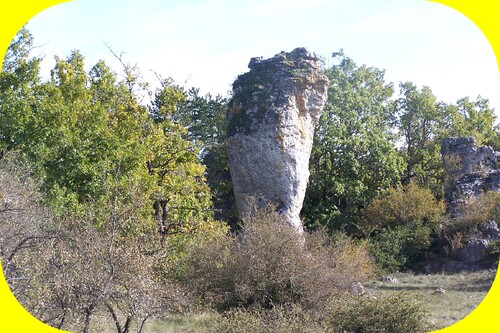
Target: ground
(462, 293)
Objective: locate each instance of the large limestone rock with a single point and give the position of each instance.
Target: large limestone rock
(271, 121)
(471, 169)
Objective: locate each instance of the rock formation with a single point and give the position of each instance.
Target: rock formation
(271, 120)
(471, 170)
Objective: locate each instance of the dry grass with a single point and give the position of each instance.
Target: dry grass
(463, 293)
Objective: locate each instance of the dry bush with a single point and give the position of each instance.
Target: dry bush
(476, 211)
(64, 270)
(394, 313)
(282, 319)
(269, 264)
(345, 313)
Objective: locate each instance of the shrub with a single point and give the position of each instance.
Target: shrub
(402, 206)
(494, 248)
(271, 264)
(475, 212)
(280, 319)
(400, 224)
(345, 313)
(388, 314)
(400, 247)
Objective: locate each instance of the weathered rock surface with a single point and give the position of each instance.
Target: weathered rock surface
(271, 121)
(473, 170)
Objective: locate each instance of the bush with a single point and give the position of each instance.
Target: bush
(400, 224)
(388, 314)
(494, 248)
(344, 314)
(281, 319)
(400, 247)
(271, 264)
(475, 212)
(402, 206)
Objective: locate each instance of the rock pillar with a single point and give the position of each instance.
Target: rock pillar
(270, 122)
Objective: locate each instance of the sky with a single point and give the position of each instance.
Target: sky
(208, 43)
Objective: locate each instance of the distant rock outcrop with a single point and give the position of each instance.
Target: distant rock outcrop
(471, 169)
(271, 120)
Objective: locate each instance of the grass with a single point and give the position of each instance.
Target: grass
(463, 293)
(170, 323)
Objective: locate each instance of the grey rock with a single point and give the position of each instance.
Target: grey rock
(440, 291)
(389, 279)
(475, 250)
(271, 120)
(357, 288)
(489, 230)
(471, 169)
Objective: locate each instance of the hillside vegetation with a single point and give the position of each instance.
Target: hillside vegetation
(116, 204)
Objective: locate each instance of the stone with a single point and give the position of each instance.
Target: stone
(357, 288)
(489, 230)
(471, 169)
(389, 279)
(440, 291)
(270, 125)
(475, 250)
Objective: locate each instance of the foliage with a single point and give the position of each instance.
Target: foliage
(65, 270)
(393, 313)
(283, 319)
(477, 211)
(423, 122)
(269, 264)
(91, 143)
(353, 157)
(401, 246)
(472, 118)
(409, 205)
(494, 248)
(418, 122)
(400, 224)
(19, 94)
(345, 314)
(466, 219)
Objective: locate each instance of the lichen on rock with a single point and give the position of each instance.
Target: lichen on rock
(270, 121)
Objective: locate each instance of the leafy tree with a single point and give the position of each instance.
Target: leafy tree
(353, 157)
(400, 224)
(19, 95)
(92, 142)
(471, 118)
(419, 119)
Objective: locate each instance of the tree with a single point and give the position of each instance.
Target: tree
(353, 157)
(471, 118)
(423, 122)
(65, 270)
(419, 120)
(19, 95)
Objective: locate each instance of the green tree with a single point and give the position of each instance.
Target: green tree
(471, 118)
(353, 157)
(94, 145)
(19, 94)
(419, 120)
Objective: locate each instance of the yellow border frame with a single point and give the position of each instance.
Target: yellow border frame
(14, 14)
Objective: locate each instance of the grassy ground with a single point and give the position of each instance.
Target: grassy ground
(462, 293)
